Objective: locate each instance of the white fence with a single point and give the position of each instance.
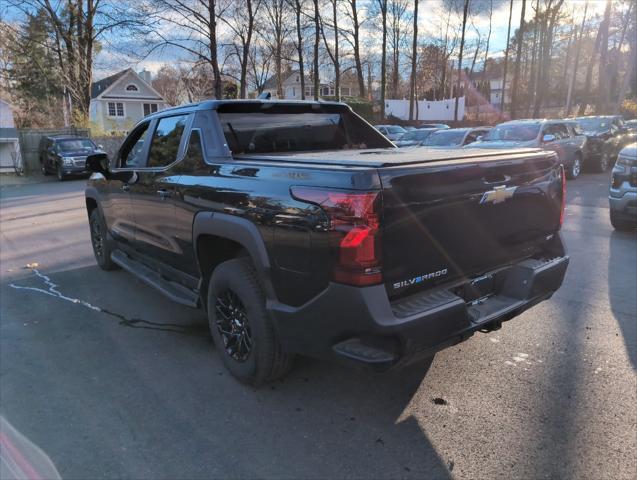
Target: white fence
(425, 110)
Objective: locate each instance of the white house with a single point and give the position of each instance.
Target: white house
(119, 101)
(292, 87)
(9, 143)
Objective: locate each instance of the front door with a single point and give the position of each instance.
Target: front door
(116, 201)
(153, 192)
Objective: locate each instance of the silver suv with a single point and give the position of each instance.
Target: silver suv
(561, 136)
(623, 190)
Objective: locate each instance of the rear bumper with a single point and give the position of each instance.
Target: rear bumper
(361, 324)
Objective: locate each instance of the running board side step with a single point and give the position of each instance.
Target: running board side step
(174, 291)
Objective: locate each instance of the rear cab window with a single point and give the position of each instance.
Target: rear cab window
(267, 128)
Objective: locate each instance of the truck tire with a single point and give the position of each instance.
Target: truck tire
(240, 326)
(621, 224)
(102, 246)
(575, 169)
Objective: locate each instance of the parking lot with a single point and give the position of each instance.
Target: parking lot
(110, 379)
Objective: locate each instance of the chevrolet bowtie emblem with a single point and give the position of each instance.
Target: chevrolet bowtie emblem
(498, 194)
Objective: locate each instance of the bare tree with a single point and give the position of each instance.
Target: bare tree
(333, 54)
(464, 26)
(414, 63)
(241, 21)
(317, 41)
(194, 31)
(353, 37)
(382, 5)
(274, 34)
(396, 14)
(168, 83)
(77, 28)
(578, 50)
(297, 6)
(506, 59)
(602, 83)
(518, 62)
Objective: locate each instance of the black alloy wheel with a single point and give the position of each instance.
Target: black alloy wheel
(233, 326)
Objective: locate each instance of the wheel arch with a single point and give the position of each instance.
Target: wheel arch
(218, 237)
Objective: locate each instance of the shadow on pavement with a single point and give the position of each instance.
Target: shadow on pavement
(104, 400)
(622, 287)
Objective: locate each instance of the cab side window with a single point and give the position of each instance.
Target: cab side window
(165, 142)
(131, 155)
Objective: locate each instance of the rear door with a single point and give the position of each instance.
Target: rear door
(152, 194)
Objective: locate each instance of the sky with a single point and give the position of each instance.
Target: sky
(432, 17)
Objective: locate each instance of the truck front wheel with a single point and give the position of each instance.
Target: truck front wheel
(240, 326)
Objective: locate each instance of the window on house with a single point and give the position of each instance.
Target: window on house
(149, 108)
(115, 109)
(132, 88)
(345, 91)
(165, 143)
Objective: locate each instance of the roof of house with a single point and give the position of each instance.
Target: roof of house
(98, 87)
(270, 83)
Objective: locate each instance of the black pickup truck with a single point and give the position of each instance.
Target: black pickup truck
(301, 230)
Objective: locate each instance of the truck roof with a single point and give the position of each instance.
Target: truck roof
(215, 104)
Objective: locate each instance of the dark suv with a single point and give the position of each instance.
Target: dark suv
(65, 155)
(604, 140)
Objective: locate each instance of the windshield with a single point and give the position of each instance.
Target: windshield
(594, 124)
(520, 132)
(445, 138)
(416, 135)
(75, 144)
(294, 129)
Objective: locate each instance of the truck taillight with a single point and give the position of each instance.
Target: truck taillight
(563, 207)
(354, 230)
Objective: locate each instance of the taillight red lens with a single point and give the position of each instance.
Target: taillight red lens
(354, 232)
(563, 207)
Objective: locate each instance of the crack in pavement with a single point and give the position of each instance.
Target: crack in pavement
(52, 290)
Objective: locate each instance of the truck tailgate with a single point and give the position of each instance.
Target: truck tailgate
(450, 220)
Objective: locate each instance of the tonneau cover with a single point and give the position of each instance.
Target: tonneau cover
(394, 156)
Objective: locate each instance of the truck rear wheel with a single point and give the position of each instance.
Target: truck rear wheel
(240, 326)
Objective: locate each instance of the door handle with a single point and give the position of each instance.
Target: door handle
(164, 193)
(125, 187)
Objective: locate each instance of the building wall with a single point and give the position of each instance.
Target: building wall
(436, 110)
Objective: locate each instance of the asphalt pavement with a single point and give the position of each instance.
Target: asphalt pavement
(111, 380)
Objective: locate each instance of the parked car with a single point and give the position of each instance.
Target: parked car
(65, 155)
(604, 134)
(300, 229)
(454, 137)
(437, 126)
(393, 132)
(631, 125)
(560, 136)
(623, 190)
(414, 138)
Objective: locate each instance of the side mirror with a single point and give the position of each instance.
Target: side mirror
(548, 138)
(101, 147)
(479, 139)
(97, 163)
